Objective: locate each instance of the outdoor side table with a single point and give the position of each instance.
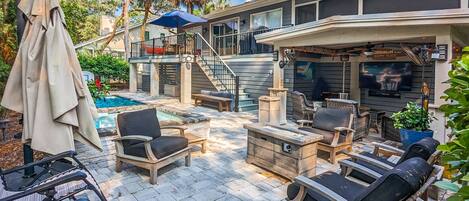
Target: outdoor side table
(285, 151)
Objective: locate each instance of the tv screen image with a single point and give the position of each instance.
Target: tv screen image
(386, 76)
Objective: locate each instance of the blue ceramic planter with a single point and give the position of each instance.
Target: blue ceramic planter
(410, 136)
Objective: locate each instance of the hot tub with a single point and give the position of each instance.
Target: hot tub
(107, 112)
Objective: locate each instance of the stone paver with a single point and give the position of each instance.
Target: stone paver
(220, 174)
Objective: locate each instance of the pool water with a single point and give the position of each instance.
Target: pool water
(108, 120)
(115, 101)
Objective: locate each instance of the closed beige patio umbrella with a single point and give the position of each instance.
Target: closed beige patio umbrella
(46, 83)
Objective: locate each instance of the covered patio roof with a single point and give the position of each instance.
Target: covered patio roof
(389, 26)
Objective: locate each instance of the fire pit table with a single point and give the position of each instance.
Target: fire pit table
(286, 151)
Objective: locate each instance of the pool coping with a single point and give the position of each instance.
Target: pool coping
(187, 117)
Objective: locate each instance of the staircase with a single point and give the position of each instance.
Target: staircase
(220, 74)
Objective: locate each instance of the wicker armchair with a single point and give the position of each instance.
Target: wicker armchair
(361, 123)
(302, 109)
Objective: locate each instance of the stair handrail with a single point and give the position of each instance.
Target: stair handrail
(216, 53)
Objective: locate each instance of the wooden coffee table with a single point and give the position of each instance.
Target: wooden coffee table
(288, 152)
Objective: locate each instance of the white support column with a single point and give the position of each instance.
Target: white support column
(278, 89)
(354, 79)
(464, 3)
(441, 75)
(155, 79)
(360, 7)
(133, 77)
(186, 83)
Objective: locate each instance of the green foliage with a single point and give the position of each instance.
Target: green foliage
(98, 91)
(8, 38)
(413, 117)
(83, 17)
(456, 152)
(105, 66)
(4, 73)
(211, 6)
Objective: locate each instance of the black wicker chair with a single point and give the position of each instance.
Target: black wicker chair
(53, 178)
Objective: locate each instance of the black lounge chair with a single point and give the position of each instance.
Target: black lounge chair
(140, 142)
(408, 180)
(425, 149)
(53, 178)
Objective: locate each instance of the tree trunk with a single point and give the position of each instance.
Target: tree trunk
(125, 12)
(145, 18)
(113, 33)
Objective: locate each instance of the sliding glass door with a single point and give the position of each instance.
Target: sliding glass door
(224, 34)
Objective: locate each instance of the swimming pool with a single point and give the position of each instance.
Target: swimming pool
(107, 121)
(115, 101)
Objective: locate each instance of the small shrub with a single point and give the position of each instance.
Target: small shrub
(456, 151)
(4, 73)
(413, 117)
(105, 66)
(98, 90)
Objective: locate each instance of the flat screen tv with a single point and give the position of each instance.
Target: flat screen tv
(389, 77)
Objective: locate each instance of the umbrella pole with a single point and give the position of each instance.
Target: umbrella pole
(27, 151)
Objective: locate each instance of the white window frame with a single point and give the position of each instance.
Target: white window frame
(237, 19)
(273, 10)
(220, 21)
(305, 4)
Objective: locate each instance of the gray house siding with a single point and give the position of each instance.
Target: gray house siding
(254, 76)
(387, 6)
(200, 81)
(245, 17)
(328, 8)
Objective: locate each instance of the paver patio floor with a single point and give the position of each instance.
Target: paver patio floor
(219, 174)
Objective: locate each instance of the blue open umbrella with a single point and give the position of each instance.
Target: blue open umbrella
(175, 19)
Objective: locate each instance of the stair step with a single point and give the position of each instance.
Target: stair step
(250, 107)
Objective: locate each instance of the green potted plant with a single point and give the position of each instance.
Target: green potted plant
(413, 123)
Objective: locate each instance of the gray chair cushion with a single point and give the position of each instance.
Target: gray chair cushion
(161, 147)
(328, 136)
(337, 183)
(205, 92)
(143, 122)
(328, 119)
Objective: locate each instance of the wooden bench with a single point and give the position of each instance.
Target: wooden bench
(224, 104)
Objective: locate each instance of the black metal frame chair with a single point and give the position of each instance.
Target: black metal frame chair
(407, 181)
(53, 178)
(378, 165)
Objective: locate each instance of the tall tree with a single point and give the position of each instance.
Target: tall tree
(190, 4)
(211, 6)
(83, 17)
(125, 13)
